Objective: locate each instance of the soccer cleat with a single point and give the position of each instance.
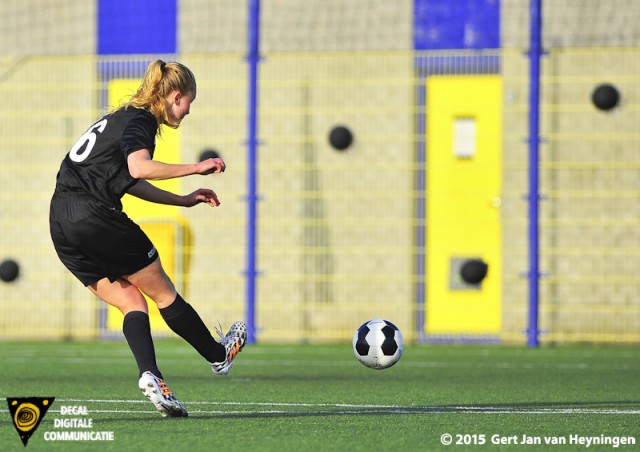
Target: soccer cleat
(233, 343)
(157, 391)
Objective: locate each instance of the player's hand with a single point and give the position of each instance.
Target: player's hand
(211, 166)
(202, 195)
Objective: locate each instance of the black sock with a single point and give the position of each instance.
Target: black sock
(137, 331)
(186, 323)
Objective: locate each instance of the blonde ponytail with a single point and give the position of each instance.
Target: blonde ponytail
(159, 81)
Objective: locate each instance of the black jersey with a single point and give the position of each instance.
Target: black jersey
(97, 162)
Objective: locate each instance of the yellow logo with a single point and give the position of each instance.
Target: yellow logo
(26, 413)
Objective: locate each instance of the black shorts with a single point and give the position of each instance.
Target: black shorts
(95, 241)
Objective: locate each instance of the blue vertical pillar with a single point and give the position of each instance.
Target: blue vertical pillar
(253, 59)
(535, 52)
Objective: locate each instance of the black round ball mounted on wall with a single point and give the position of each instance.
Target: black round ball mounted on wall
(474, 271)
(9, 270)
(340, 137)
(605, 96)
(208, 154)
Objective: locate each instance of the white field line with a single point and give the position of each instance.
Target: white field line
(284, 408)
(334, 363)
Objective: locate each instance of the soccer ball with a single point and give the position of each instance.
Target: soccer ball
(378, 344)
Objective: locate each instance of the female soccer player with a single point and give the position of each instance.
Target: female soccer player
(108, 252)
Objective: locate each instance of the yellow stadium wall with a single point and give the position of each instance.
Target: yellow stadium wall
(336, 229)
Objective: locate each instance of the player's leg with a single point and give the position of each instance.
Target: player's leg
(176, 312)
(136, 328)
(185, 321)
(137, 331)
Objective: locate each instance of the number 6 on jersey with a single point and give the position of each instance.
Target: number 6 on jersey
(89, 138)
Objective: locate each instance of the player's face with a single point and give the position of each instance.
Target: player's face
(179, 105)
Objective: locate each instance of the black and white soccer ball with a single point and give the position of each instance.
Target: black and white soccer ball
(378, 344)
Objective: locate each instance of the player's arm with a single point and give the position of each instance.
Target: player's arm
(145, 190)
(142, 166)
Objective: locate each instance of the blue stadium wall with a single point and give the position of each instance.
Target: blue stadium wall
(459, 24)
(123, 26)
